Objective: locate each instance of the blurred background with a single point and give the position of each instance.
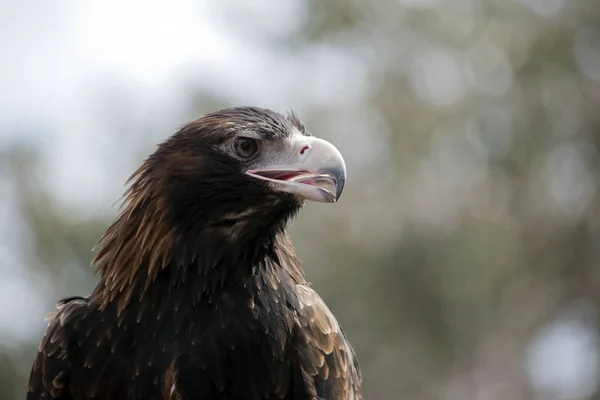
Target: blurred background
(463, 259)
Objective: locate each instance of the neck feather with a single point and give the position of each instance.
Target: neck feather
(143, 241)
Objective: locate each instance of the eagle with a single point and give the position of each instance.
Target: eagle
(200, 293)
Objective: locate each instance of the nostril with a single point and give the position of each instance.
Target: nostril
(304, 149)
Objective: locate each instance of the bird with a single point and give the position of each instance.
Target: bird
(200, 292)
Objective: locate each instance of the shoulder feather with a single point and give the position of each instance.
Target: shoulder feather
(328, 362)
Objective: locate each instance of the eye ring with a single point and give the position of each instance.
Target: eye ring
(245, 147)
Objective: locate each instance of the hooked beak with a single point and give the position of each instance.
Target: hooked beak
(316, 171)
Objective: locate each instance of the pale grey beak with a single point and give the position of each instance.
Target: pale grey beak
(316, 171)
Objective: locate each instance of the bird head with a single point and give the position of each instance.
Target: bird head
(243, 164)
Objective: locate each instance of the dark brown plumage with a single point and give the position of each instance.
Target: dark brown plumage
(201, 295)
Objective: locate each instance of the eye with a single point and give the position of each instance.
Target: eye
(245, 147)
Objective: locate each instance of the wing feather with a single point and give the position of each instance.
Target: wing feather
(51, 371)
(328, 362)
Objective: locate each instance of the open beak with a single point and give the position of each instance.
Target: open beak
(316, 171)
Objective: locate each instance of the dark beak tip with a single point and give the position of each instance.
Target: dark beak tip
(339, 189)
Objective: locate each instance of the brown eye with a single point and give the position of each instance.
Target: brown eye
(245, 147)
